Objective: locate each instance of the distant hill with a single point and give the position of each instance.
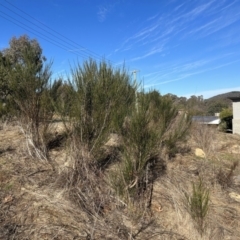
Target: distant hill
(224, 96)
(205, 107)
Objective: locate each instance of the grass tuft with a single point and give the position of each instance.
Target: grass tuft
(198, 205)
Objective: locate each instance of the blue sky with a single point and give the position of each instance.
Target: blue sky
(183, 47)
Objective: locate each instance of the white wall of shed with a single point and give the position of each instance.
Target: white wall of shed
(236, 110)
(236, 126)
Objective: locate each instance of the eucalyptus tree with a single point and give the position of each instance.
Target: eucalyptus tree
(28, 79)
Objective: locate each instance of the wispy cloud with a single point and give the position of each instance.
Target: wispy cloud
(142, 34)
(205, 27)
(152, 18)
(215, 25)
(199, 9)
(152, 52)
(179, 7)
(192, 14)
(102, 13)
(196, 27)
(183, 72)
(165, 27)
(229, 5)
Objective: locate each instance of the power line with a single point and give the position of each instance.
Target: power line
(33, 24)
(91, 53)
(85, 52)
(34, 32)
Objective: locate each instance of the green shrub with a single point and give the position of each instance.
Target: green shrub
(226, 116)
(145, 136)
(198, 205)
(140, 145)
(28, 82)
(103, 97)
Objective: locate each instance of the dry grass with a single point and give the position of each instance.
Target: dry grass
(205, 137)
(225, 178)
(37, 202)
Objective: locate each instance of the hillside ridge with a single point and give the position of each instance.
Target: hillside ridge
(225, 96)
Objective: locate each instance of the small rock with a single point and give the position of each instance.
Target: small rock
(200, 153)
(234, 196)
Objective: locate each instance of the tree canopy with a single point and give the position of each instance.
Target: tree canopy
(23, 56)
(18, 47)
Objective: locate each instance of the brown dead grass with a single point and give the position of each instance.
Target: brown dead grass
(33, 207)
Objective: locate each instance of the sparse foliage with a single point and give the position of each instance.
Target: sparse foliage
(16, 53)
(62, 94)
(216, 106)
(28, 81)
(5, 66)
(204, 136)
(148, 131)
(103, 97)
(198, 204)
(226, 116)
(224, 178)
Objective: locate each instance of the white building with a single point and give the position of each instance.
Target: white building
(236, 114)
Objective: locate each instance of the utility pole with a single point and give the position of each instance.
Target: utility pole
(134, 72)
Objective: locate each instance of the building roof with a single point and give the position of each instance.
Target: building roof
(206, 119)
